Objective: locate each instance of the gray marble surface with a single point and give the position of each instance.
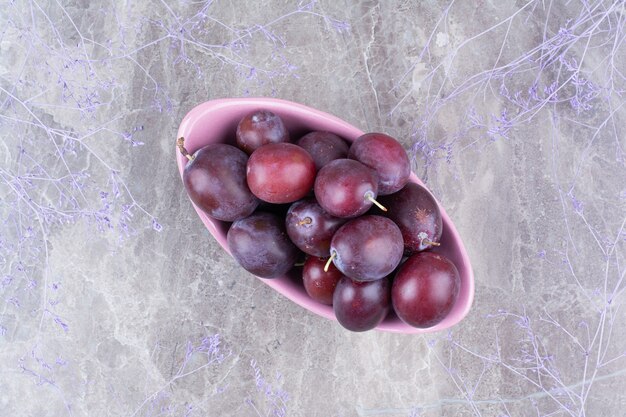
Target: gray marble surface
(115, 301)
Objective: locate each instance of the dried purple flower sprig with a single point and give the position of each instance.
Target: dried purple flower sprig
(209, 356)
(62, 84)
(206, 355)
(571, 82)
(557, 70)
(273, 399)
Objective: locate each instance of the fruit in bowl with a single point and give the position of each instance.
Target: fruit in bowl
(286, 174)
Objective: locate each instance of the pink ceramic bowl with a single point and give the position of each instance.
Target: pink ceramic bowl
(216, 121)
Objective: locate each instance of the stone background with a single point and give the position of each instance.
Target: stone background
(115, 301)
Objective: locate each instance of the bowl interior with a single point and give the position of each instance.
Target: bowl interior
(216, 121)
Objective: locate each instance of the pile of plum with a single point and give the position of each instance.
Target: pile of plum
(347, 210)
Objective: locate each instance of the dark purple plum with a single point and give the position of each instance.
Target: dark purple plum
(260, 128)
(425, 289)
(259, 243)
(361, 306)
(324, 147)
(311, 228)
(386, 156)
(319, 283)
(367, 248)
(417, 214)
(215, 179)
(280, 173)
(346, 188)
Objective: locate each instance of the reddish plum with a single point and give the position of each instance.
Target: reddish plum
(311, 228)
(425, 289)
(280, 173)
(319, 283)
(260, 128)
(417, 214)
(386, 156)
(324, 147)
(361, 306)
(367, 248)
(346, 188)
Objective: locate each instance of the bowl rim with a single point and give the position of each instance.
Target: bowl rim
(202, 110)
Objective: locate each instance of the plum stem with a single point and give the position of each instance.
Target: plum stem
(425, 241)
(180, 142)
(332, 256)
(306, 220)
(370, 196)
